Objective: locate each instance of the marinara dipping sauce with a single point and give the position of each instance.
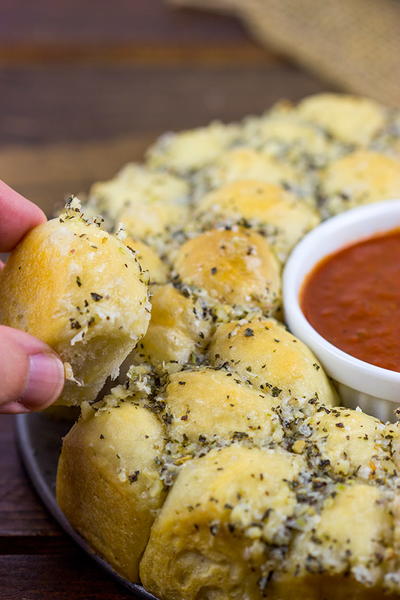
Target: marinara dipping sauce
(352, 298)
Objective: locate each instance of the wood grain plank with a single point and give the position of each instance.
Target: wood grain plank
(157, 53)
(66, 575)
(140, 32)
(32, 544)
(21, 512)
(58, 103)
(49, 174)
(120, 20)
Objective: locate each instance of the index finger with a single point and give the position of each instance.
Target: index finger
(17, 216)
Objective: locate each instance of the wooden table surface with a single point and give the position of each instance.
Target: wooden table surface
(85, 87)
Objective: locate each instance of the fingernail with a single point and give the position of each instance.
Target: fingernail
(13, 408)
(45, 381)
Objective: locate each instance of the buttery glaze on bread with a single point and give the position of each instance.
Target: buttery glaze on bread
(196, 417)
(360, 177)
(147, 203)
(108, 482)
(267, 207)
(191, 150)
(178, 329)
(350, 119)
(246, 271)
(230, 523)
(207, 541)
(263, 353)
(83, 292)
(246, 163)
(220, 468)
(149, 260)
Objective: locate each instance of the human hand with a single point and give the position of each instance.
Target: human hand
(31, 374)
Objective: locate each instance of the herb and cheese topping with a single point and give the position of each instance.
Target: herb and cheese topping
(223, 453)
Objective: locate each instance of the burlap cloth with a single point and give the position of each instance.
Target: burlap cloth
(353, 43)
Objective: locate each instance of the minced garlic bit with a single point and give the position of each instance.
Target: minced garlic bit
(69, 374)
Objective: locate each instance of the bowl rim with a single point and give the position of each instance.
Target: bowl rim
(294, 315)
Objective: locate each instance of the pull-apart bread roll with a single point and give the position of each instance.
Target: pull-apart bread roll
(350, 119)
(235, 267)
(344, 551)
(188, 151)
(263, 353)
(148, 203)
(108, 485)
(83, 292)
(178, 330)
(149, 260)
(208, 406)
(361, 177)
(348, 442)
(246, 163)
(224, 526)
(266, 207)
(285, 134)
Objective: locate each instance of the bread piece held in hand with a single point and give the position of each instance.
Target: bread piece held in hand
(83, 292)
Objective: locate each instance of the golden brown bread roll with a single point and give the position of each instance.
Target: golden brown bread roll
(208, 406)
(351, 443)
(178, 329)
(234, 267)
(266, 355)
(191, 150)
(350, 119)
(220, 524)
(361, 509)
(246, 163)
(359, 178)
(267, 207)
(346, 547)
(108, 483)
(148, 203)
(285, 134)
(90, 299)
(149, 260)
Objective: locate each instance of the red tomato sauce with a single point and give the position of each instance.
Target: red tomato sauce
(352, 298)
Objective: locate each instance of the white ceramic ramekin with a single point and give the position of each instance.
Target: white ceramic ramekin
(375, 390)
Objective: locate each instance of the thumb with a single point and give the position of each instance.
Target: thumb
(31, 374)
